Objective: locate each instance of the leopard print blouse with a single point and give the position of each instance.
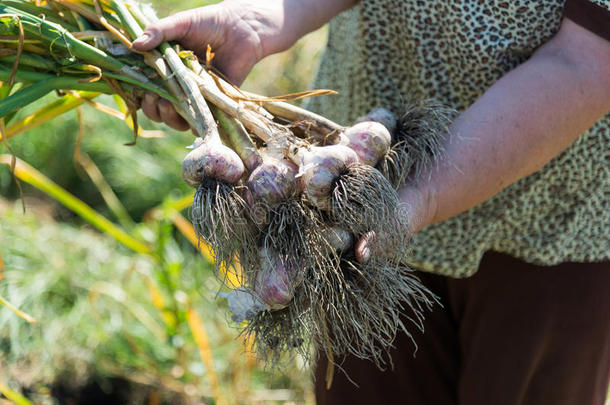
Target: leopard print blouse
(382, 51)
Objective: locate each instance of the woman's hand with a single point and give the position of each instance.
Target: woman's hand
(231, 29)
(418, 208)
(240, 33)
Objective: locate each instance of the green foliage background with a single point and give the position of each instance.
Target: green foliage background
(96, 319)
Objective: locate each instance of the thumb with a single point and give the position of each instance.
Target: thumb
(175, 27)
(364, 246)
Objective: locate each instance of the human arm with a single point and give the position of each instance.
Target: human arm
(517, 126)
(240, 32)
(520, 123)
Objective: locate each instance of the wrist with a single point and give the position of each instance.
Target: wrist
(297, 18)
(419, 201)
(277, 24)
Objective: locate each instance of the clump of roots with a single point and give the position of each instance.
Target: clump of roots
(293, 230)
(278, 334)
(296, 232)
(364, 319)
(219, 218)
(363, 200)
(354, 308)
(417, 142)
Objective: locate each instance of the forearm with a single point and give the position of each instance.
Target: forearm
(517, 126)
(316, 13)
(300, 17)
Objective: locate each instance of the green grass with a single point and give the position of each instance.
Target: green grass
(141, 175)
(96, 320)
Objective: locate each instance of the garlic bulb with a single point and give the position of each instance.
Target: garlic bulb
(370, 140)
(210, 159)
(273, 181)
(382, 116)
(276, 280)
(319, 168)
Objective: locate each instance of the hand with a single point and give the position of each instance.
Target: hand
(240, 33)
(417, 204)
(419, 208)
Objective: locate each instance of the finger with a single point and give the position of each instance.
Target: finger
(363, 247)
(171, 117)
(175, 27)
(150, 106)
(235, 62)
(236, 72)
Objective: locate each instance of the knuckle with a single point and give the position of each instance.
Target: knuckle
(153, 29)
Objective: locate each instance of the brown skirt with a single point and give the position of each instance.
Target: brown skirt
(513, 334)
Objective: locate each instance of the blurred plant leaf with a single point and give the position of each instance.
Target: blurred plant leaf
(49, 112)
(19, 313)
(181, 203)
(231, 275)
(28, 174)
(203, 343)
(111, 199)
(158, 302)
(120, 296)
(13, 395)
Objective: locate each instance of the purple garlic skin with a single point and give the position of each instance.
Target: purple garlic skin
(211, 159)
(382, 116)
(252, 161)
(370, 140)
(320, 167)
(276, 281)
(273, 181)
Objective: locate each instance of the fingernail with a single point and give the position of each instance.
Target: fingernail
(366, 254)
(143, 39)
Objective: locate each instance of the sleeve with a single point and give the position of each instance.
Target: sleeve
(593, 15)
